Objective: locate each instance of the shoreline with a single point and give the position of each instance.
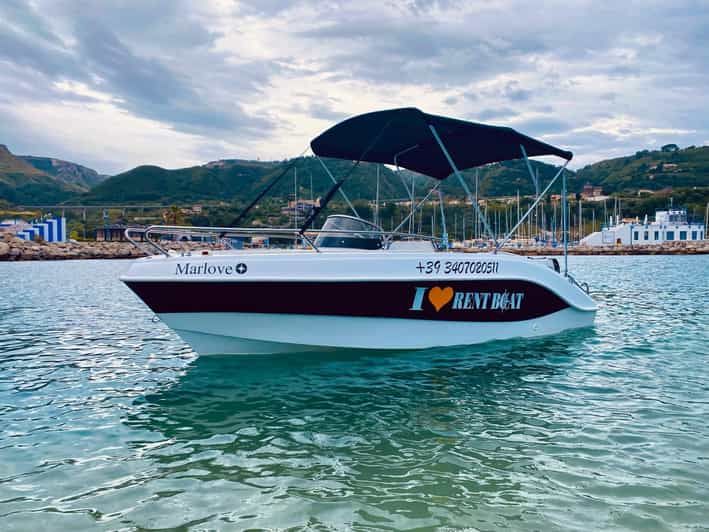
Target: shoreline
(16, 250)
(658, 249)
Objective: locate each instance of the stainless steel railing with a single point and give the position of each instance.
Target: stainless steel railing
(582, 285)
(221, 232)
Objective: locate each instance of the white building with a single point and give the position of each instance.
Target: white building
(669, 226)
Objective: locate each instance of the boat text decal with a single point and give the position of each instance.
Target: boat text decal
(459, 267)
(458, 300)
(453, 298)
(186, 268)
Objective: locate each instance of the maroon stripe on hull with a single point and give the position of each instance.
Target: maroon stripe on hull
(475, 301)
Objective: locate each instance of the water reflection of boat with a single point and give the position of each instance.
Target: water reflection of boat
(258, 398)
(355, 438)
(359, 287)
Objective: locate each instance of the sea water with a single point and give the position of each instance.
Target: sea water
(108, 421)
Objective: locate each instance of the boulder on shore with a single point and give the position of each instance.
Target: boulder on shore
(15, 249)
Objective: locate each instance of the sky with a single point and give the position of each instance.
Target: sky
(113, 84)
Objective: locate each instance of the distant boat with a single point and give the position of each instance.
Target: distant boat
(357, 286)
(670, 225)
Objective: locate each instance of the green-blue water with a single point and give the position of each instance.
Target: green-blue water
(108, 421)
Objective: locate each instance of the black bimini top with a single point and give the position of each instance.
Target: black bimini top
(404, 137)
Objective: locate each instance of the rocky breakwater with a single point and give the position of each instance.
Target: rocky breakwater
(16, 249)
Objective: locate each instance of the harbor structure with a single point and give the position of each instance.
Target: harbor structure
(670, 225)
(116, 232)
(49, 229)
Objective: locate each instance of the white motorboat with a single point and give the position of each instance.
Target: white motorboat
(356, 286)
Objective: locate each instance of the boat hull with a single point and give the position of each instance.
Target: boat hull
(252, 333)
(290, 301)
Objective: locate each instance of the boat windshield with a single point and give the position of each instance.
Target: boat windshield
(363, 235)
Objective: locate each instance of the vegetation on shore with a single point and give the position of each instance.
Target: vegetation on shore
(638, 185)
(650, 170)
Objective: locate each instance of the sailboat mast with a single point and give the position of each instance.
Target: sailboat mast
(519, 214)
(376, 201)
(477, 223)
(593, 220)
(295, 197)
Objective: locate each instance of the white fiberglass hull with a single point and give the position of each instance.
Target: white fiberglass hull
(250, 333)
(295, 301)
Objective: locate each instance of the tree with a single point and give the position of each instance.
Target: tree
(174, 216)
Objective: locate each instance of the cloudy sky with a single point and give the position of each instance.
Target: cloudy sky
(114, 83)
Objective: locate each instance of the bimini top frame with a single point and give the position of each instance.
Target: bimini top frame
(436, 146)
(404, 137)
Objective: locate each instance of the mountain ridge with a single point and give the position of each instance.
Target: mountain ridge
(32, 179)
(65, 171)
(20, 182)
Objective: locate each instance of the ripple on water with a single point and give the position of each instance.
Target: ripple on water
(107, 420)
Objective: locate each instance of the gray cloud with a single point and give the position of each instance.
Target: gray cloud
(239, 71)
(497, 113)
(145, 85)
(22, 49)
(542, 126)
(514, 92)
(394, 51)
(325, 112)
(27, 20)
(450, 100)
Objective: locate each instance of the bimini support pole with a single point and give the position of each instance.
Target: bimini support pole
(405, 220)
(444, 234)
(332, 177)
(531, 208)
(468, 193)
(564, 223)
(409, 191)
(535, 178)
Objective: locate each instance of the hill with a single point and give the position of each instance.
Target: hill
(239, 180)
(651, 170)
(67, 172)
(156, 184)
(20, 182)
(39, 179)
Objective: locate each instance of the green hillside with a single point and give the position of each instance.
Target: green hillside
(651, 170)
(22, 183)
(69, 173)
(155, 184)
(237, 180)
(509, 177)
